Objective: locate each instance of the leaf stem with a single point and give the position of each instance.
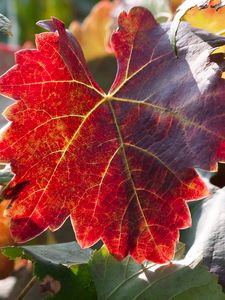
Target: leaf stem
(221, 32)
(26, 288)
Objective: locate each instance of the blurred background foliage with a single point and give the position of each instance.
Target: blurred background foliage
(25, 13)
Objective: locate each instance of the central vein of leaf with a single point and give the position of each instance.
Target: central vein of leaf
(129, 174)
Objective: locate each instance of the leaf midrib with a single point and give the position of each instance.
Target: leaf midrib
(129, 173)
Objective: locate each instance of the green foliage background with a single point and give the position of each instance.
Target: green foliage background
(25, 13)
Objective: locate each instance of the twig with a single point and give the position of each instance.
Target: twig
(26, 288)
(221, 32)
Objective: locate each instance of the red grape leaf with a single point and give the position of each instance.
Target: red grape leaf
(122, 164)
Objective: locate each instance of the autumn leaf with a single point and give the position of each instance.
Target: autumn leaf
(209, 18)
(185, 7)
(174, 4)
(217, 4)
(121, 164)
(92, 34)
(160, 9)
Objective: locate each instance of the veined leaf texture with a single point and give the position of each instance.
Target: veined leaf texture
(121, 164)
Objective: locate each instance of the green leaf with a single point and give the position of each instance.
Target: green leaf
(206, 236)
(127, 280)
(5, 25)
(5, 175)
(66, 253)
(65, 264)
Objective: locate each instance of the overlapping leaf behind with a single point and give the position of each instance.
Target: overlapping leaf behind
(208, 18)
(120, 164)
